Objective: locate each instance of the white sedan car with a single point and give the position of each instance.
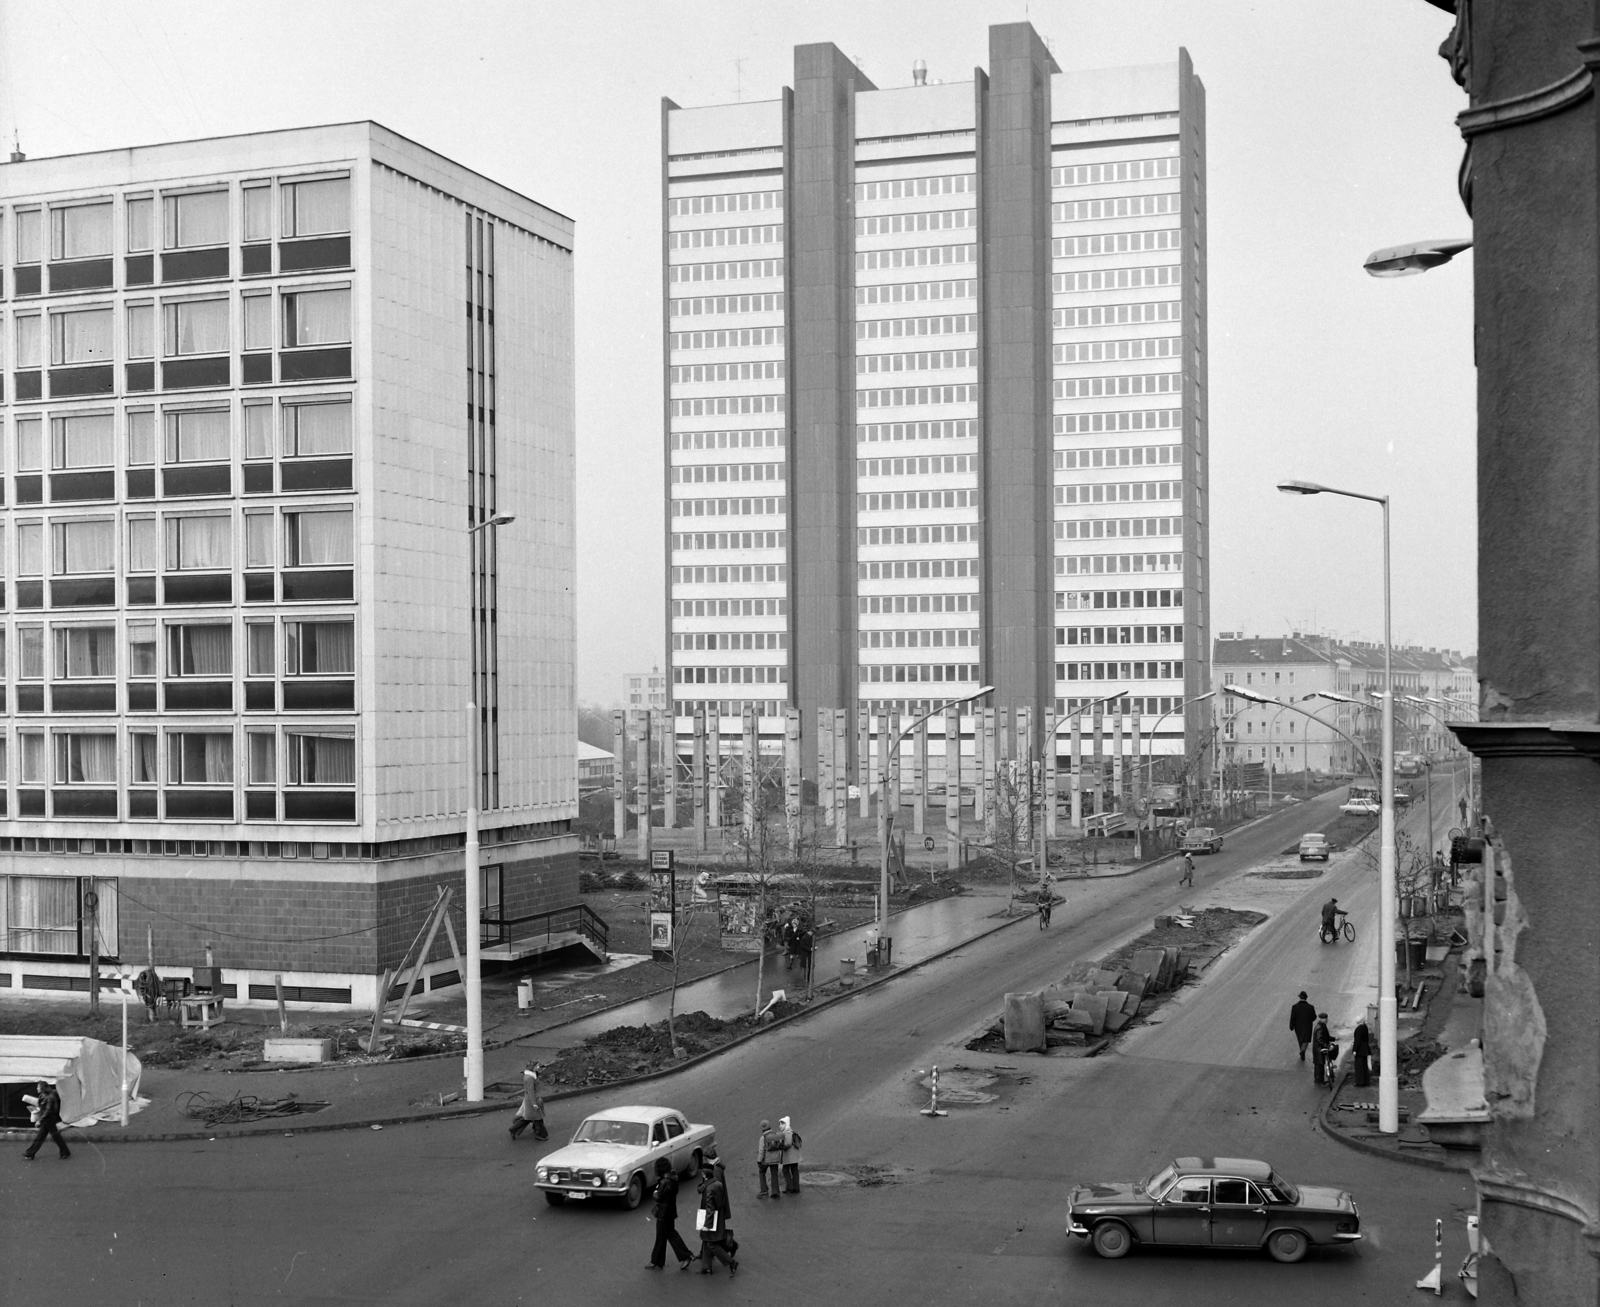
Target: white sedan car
(613, 1155)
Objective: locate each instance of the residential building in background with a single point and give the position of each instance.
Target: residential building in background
(1301, 668)
(258, 390)
(645, 690)
(597, 768)
(935, 393)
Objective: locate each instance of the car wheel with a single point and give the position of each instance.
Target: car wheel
(635, 1194)
(554, 1199)
(693, 1169)
(1111, 1239)
(1287, 1245)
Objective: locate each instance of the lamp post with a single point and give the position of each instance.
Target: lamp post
(887, 822)
(1150, 773)
(1388, 1010)
(474, 891)
(1050, 743)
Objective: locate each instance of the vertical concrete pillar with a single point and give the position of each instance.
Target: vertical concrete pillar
(1137, 789)
(894, 764)
(698, 782)
(819, 269)
(791, 776)
(864, 760)
(991, 761)
(669, 761)
(1014, 341)
(1077, 771)
(714, 768)
(1027, 785)
(952, 788)
(619, 776)
(751, 758)
(1102, 771)
(825, 764)
(841, 777)
(1047, 763)
(1116, 759)
(919, 778)
(643, 783)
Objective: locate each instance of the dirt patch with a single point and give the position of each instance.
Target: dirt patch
(1290, 873)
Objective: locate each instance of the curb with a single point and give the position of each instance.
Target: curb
(500, 1105)
(1362, 1146)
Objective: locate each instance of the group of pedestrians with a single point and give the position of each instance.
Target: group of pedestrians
(713, 1219)
(778, 1156)
(799, 939)
(1311, 1031)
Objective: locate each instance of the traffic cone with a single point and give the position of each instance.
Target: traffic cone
(1434, 1279)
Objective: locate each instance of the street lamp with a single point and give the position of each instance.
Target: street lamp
(887, 824)
(1151, 766)
(474, 891)
(1255, 696)
(1388, 1010)
(1418, 256)
(1356, 704)
(1050, 743)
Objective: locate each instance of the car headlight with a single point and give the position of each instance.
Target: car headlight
(543, 1173)
(612, 1177)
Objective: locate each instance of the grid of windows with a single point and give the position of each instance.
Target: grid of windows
(1074, 600)
(1139, 383)
(938, 429)
(1105, 351)
(1117, 315)
(714, 237)
(1116, 242)
(757, 507)
(918, 256)
(1121, 170)
(770, 674)
(1069, 424)
(727, 405)
(1162, 274)
(942, 533)
(938, 637)
(918, 603)
(696, 473)
(1112, 528)
(908, 188)
(764, 439)
(730, 607)
(1119, 456)
(760, 370)
(736, 574)
(1073, 635)
(1114, 206)
(730, 640)
(916, 396)
(891, 224)
(900, 499)
(876, 673)
(1156, 670)
(771, 302)
(916, 465)
(1099, 564)
(893, 328)
(738, 270)
(913, 569)
(728, 539)
(921, 361)
(684, 206)
(729, 338)
(1118, 492)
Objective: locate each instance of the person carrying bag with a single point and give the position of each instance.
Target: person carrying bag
(712, 1221)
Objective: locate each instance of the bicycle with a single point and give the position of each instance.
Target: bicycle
(1044, 913)
(1332, 937)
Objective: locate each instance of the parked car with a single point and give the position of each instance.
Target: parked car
(1201, 839)
(1313, 846)
(613, 1155)
(1369, 806)
(1213, 1202)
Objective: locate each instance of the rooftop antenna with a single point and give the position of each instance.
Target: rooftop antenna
(17, 156)
(738, 78)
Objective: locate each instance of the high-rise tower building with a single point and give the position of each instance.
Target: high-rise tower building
(936, 391)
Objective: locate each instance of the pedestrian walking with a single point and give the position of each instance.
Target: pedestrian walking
(789, 1140)
(805, 947)
(1302, 1018)
(715, 1218)
(1185, 869)
(769, 1158)
(49, 1115)
(530, 1112)
(1361, 1053)
(665, 1212)
(1321, 1045)
(1047, 899)
(791, 940)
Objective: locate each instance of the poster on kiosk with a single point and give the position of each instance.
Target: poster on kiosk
(663, 901)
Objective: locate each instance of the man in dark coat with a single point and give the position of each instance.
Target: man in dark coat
(1302, 1016)
(49, 1120)
(666, 1213)
(716, 1242)
(1361, 1053)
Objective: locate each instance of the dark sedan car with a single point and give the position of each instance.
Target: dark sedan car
(1213, 1202)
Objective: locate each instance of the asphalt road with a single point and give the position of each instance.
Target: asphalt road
(954, 1210)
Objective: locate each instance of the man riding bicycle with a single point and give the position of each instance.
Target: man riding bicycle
(1331, 912)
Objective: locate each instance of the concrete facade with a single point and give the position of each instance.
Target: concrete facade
(280, 375)
(931, 320)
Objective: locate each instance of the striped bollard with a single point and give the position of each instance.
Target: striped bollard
(1434, 1279)
(933, 1108)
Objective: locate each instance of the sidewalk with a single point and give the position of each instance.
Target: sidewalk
(394, 1092)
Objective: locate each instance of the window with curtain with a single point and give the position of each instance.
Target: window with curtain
(141, 216)
(30, 549)
(29, 342)
(199, 758)
(83, 336)
(258, 544)
(86, 759)
(30, 444)
(258, 648)
(321, 759)
(85, 651)
(316, 317)
(142, 553)
(3, 772)
(142, 765)
(319, 539)
(42, 914)
(198, 436)
(258, 431)
(257, 213)
(30, 653)
(141, 331)
(106, 913)
(82, 441)
(200, 650)
(319, 648)
(313, 430)
(141, 437)
(257, 322)
(199, 544)
(81, 232)
(318, 208)
(197, 327)
(263, 757)
(2, 677)
(194, 220)
(84, 547)
(32, 743)
(141, 649)
(30, 239)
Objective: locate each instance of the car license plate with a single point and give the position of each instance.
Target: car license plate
(575, 1194)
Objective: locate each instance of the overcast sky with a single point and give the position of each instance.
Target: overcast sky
(1330, 133)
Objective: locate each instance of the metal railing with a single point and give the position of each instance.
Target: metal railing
(580, 918)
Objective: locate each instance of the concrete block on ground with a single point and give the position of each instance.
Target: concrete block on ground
(1150, 961)
(1134, 982)
(1024, 1023)
(1096, 1007)
(1163, 923)
(1075, 1019)
(1099, 979)
(1117, 1000)
(1115, 1021)
(297, 1050)
(1174, 974)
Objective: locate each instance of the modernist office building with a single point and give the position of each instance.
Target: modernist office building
(258, 390)
(936, 391)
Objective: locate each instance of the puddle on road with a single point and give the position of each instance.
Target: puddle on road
(965, 1086)
(860, 1177)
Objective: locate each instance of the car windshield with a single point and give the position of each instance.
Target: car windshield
(1280, 1190)
(631, 1134)
(1157, 1184)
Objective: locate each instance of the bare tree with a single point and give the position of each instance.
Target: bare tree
(1012, 841)
(758, 848)
(683, 932)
